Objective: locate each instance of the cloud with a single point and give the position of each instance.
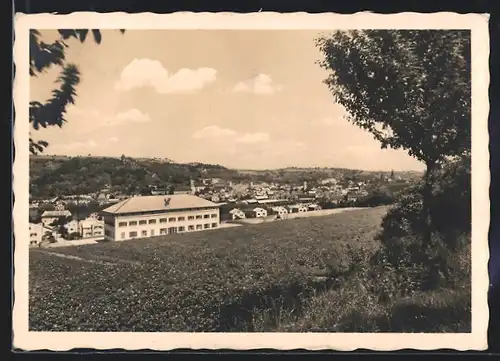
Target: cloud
(95, 119)
(213, 131)
(250, 138)
(259, 84)
(129, 116)
(141, 73)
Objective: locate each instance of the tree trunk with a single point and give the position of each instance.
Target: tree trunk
(426, 203)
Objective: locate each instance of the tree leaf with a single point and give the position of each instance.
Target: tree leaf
(82, 34)
(97, 35)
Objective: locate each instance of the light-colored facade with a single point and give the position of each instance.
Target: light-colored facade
(151, 216)
(49, 217)
(280, 211)
(38, 233)
(259, 212)
(237, 214)
(297, 209)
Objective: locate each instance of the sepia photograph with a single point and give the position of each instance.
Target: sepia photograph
(228, 176)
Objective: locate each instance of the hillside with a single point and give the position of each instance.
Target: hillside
(55, 175)
(288, 276)
(199, 281)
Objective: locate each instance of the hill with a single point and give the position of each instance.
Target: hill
(56, 175)
(61, 175)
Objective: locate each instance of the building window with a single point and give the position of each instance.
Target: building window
(123, 235)
(33, 235)
(144, 233)
(132, 223)
(199, 217)
(206, 225)
(143, 222)
(190, 228)
(122, 224)
(214, 215)
(182, 229)
(152, 233)
(199, 226)
(152, 221)
(214, 225)
(181, 218)
(171, 219)
(206, 216)
(190, 218)
(163, 220)
(132, 234)
(163, 231)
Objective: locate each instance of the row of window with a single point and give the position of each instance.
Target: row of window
(171, 230)
(165, 220)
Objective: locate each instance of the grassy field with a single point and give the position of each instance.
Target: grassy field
(288, 276)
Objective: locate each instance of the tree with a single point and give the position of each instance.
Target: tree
(410, 88)
(42, 57)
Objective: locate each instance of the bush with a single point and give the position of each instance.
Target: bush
(450, 207)
(411, 267)
(379, 197)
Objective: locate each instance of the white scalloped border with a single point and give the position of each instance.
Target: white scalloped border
(62, 341)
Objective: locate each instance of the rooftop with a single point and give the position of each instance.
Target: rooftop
(64, 213)
(159, 203)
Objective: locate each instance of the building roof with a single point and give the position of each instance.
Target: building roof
(64, 213)
(158, 203)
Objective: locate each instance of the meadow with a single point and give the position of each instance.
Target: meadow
(297, 275)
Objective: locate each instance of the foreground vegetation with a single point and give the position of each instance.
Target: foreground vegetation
(206, 281)
(301, 275)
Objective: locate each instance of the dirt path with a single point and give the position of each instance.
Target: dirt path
(75, 258)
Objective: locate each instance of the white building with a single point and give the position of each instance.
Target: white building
(150, 216)
(297, 208)
(48, 217)
(314, 207)
(280, 211)
(259, 212)
(38, 233)
(87, 228)
(91, 227)
(237, 214)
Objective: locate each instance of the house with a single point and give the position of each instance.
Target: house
(71, 227)
(298, 208)
(280, 211)
(149, 216)
(314, 207)
(91, 227)
(329, 181)
(261, 197)
(49, 217)
(237, 214)
(258, 212)
(38, 233)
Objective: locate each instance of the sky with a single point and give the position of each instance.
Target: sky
(247, 99)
